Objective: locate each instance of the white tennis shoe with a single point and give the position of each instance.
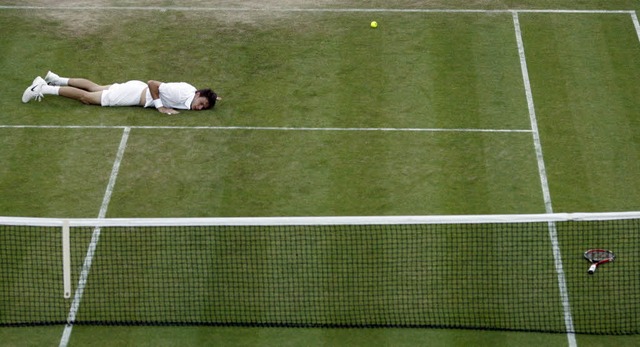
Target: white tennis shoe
(52, 78)
(34, 91)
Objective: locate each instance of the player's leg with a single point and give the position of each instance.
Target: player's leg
(88, 92)
(87, 85)
(80, 83)
(82, 95)
(118, 94)
(81, 89)
(39, 88)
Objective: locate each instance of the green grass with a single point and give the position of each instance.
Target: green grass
(583, 78)
(205, 173)
(427, 70)
(63, 173)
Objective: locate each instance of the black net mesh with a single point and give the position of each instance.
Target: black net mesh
(483, 276)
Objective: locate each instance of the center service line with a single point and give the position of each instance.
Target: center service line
(95, 237)
(553, 235)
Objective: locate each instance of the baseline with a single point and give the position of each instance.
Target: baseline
(276, 9)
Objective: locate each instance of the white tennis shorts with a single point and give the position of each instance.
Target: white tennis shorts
(123, 94)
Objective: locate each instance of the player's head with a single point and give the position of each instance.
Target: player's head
(204, 100)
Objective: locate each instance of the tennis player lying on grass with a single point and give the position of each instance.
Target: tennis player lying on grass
(165, 97)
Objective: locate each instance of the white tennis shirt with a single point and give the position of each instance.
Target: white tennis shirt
(176, 95)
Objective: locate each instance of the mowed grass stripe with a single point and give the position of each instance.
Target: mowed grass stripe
(418, 71)
(249, 173)
(588, 120)
(55, 172)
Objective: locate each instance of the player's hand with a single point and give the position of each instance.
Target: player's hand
(167, 110)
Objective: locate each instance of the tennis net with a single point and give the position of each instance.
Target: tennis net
(498, 272)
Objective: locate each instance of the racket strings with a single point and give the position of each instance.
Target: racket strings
(599, 256)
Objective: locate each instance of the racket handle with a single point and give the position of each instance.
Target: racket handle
(592, 269)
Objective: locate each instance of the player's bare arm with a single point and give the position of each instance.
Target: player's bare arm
(154, 90)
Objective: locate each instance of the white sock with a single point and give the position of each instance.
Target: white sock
(50, 90)
(62, 81)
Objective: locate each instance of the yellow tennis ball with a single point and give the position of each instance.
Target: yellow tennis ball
(374, 24)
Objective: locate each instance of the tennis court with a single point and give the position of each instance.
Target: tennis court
(442, 110)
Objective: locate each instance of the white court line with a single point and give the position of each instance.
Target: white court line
(553, 236)
(532, 117)
(634, 18)
(275, 9)
(462, 130)
(95, 237)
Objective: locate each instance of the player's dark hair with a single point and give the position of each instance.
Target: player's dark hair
(210, 95)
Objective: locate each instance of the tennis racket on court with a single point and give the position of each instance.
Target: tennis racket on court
(597, 257)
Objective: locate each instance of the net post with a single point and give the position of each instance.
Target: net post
(66, 259)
